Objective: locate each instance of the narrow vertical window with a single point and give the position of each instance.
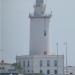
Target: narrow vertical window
(45, 53)
(41, 64)
(44, 33)
(48, 63)
(55, 63)
(41, 71)
(48, 71)
(28, 70)
(71, 73)
(55, 72)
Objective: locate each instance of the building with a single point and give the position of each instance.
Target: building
(70, 70)
(39, 59)
(47, 64)
(7, 68)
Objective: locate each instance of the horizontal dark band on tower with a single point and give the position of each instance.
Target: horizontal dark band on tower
(43, 16)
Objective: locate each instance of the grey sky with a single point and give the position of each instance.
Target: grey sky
(0, 23)
(15, 27)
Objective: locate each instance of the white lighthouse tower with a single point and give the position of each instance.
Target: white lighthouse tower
(38, 60)
(39, 30)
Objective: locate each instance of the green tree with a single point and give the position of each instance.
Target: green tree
(18, 67)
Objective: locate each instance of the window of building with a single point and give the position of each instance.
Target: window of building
(2, 68)
(41, 71)
(45, 53)
(45, 33)
(48, 71)
(71, 73)
(41, 63)
(55, 63)
(28, 70)
(48, 62)
(55, 72)
(28, 63)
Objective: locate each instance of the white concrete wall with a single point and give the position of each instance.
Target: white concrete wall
(70, 69)
(38, 42)
(25, 59)
(44, 68)
(35, 63)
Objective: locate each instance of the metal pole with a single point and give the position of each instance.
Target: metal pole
(66, 56)
(57, 57)
(57, 48)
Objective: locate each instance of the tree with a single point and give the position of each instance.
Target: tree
(18, 67)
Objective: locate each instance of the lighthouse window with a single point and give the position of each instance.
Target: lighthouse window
(28, 70)
(45, 33)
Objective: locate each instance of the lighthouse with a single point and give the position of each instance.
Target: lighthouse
(38, 60)
(39, 29)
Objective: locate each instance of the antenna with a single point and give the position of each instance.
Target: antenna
(57, 55)
(57, 47)
(66, 55)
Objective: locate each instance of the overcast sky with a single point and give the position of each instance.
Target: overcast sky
(14, 24)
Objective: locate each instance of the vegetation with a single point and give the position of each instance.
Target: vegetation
(18, 67)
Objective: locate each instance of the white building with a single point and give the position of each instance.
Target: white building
(46, 64)
(39, 60)
(7, 68)
(70, 70)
